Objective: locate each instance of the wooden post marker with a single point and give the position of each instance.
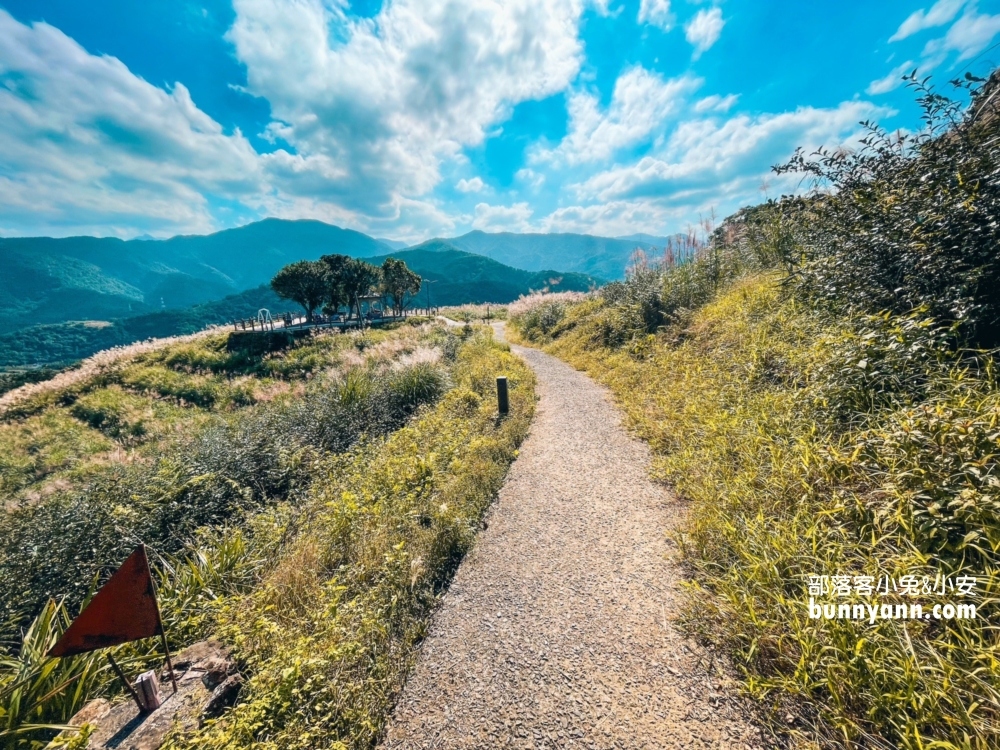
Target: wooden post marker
(503, 399)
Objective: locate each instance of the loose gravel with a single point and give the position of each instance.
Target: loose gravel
(556, 631)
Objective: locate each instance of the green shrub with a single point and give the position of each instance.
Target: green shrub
(909, 220)
(199, 390)
(255, 458)
(39, 695)
(117, 414)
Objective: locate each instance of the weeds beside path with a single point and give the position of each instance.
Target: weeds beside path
(557, 631)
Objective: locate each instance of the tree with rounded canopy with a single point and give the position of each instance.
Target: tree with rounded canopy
(336, 293)
(398, 281)
(305, 282)
(358, 279)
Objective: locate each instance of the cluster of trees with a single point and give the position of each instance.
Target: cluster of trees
(336, 281)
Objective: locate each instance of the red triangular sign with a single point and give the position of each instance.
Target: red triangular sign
(123, 610)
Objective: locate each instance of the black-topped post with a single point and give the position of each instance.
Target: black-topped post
(503, 400)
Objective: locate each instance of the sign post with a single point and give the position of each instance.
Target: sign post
(503, 399)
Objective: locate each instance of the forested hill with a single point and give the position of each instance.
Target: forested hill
(454, 277)
(604, 257)
(46, 280)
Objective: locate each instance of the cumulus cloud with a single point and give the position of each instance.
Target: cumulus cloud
(640, 102)
(657, 13)
(705, 157)
(514, 218)
(704, 29)
(968, 36)
(939, 14)
(611, 219)
(375, 105)
(892, 81)
(365, 112)
(704, 166)
(474, 185)
(85, 144)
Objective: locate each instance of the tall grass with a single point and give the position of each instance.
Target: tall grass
(746, 419)
(39, 694)
(809, 381)
(260, 457)
(226, 507)
(329, 634)
(147, 450)
(472, 313)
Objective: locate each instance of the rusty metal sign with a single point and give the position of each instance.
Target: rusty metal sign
(124, 610)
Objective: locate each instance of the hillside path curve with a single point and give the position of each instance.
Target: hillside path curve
(556, 631)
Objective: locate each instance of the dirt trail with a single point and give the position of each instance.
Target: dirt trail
(556, 631)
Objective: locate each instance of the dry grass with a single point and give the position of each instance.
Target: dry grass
(807, 446)
(91, 368)
(530, 302)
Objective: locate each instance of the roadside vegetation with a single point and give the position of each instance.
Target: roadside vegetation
(819, 381)
(306, 504)
(24, 352)
(475, 313)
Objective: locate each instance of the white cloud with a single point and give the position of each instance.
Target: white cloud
(85, 145)
(474, 185)
(716, 103)
(611, 219)
(704, 29)
(640, 102)
(657, 13)
(527, 175)
(374, 107)
(968, 36)
(890, 82)
(514, 218)
(703, 158)
(704, 167)
(940, 13)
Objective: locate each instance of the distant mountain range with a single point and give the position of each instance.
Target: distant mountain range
(147, 287)
(454, 277)
(61, 344)
(392, 244)
(75, 306)
(45, 280)
(604, 257)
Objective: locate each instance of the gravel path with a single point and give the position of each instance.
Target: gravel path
(556, 630)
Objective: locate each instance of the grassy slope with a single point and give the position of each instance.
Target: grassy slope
(735, 412)
(329, 633)
(61, 344)
(357, 541)
(455, 278)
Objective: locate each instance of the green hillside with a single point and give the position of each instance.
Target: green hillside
(582, 253)
(60, 344)
(45, 280)
(456, 277)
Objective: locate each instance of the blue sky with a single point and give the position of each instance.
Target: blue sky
(416, 118)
